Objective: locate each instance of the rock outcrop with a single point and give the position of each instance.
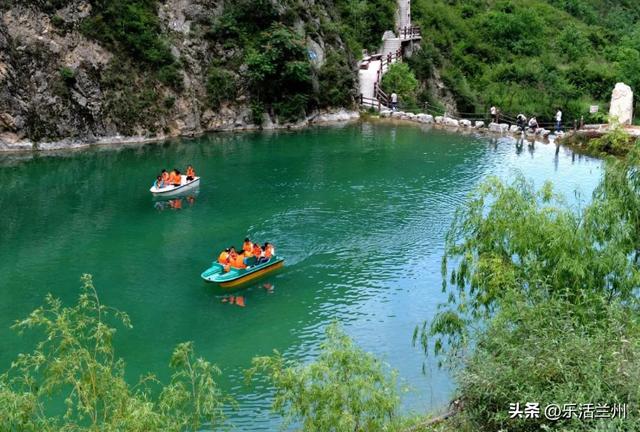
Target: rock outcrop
(59, 88)
(621, 109)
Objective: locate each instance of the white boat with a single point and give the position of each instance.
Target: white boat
(185, 186)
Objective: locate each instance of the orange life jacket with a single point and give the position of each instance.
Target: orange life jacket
(238, 262)
(191, 172)
(165, 177)
(269, 251)
(257, 251)
(175, 179)
(247, 247)
(223, 258)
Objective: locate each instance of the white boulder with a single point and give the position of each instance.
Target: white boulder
(386, 113)
(439, 119)
(447, 121)
(622, 104)
(498, 127)
(424, 118)
(514, 129)
(465, 123)
(478, 124)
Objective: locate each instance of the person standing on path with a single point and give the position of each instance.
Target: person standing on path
(494, 114)
(394, 101)
(559, 121)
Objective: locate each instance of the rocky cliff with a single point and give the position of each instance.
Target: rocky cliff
(75, 72)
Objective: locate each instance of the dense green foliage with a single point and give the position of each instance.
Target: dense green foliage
(552, 351)
(362, 22)
(344, 390)
(76, 363)
(74, 381)
(221, 86)
(281, 78)
(401, 80)
(548, 295)
(132, 28)
(530, 56)
(279, 72)
(616, 142)
(336, 81)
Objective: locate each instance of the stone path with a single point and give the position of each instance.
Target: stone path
(392, 43)
(403, 19)
(368, 77)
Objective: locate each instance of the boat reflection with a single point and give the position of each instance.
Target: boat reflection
(177, 203)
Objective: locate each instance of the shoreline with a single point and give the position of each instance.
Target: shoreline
(328, 118)
(8, 145)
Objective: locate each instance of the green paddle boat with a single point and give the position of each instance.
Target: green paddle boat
(235, 276)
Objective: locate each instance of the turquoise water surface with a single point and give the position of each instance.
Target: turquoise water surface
(359, 212)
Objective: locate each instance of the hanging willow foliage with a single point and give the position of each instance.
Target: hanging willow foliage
(76, 363)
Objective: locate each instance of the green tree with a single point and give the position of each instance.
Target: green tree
(344, 390)
(400, 79)
(221, 86)
(279, 72)
(76, 363)
(336, 83)
(543, 300)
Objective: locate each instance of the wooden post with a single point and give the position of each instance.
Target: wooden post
(575, 125)
(361, 99)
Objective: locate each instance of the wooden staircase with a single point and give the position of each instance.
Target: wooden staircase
(373, 67)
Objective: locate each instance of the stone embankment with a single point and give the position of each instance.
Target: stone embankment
(321, 117)
(451, 123)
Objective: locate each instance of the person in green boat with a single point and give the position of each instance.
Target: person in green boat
(235, 259)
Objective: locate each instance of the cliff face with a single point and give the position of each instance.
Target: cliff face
(62, 85)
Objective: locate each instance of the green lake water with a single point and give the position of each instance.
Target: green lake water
(359, 212)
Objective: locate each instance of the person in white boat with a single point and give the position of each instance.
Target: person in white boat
(174, 177)
(191, 174)
(159, 183)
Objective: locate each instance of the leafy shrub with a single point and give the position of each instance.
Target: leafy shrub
(543, 303)
(400, 79)
(336, 83)
(617, 141)
(76, 362)
(68, 75)
(221, 86)
(364, 22)
(257, 112)
(553, 352)
(279, 72)
(518, 31)
(133, 28)
(344, 390)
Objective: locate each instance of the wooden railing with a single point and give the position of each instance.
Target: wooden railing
(381, 95)
(409, 32)
(371, 103)
(388, 60)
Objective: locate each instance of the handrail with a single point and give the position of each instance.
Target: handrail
(410, 32)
